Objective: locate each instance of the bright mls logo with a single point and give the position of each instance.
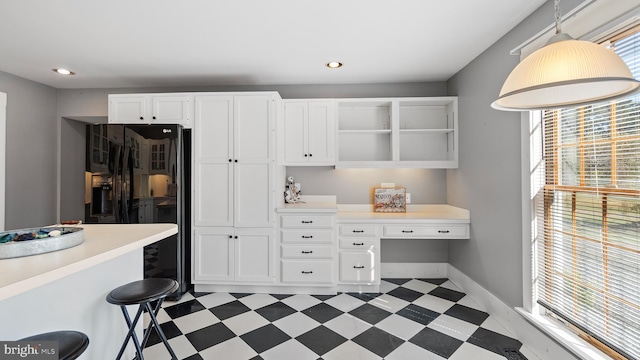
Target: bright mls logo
(30, 350)
(164, 131)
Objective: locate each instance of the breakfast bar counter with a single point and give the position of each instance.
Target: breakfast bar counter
(66, 289)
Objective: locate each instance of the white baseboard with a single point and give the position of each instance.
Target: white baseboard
(414, 270)
(531, 337)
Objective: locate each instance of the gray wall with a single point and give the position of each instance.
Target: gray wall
(31, 153)
(488, 180)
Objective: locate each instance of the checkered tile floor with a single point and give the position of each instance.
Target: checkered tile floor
(426, 319)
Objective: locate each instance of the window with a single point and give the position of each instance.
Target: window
(588, 207)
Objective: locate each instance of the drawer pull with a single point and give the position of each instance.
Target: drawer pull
(307, 222)
(358, 244)
(407, 231)
(307, 272)
(358, 231)
(443, 231)
(307, 252)
(307, 237)
(359, 267)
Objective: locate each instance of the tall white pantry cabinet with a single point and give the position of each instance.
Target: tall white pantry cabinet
(234, 199)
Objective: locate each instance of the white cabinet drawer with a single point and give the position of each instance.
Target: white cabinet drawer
(358, 230)
(358, 267)
(307, 236)
(307, 272)
(426, 232)
(307, 252)
(358, 244)
(307, 221)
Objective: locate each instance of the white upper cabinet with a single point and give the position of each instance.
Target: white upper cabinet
(309, 132)
(151, 109)
(233, 148)
(398, 132)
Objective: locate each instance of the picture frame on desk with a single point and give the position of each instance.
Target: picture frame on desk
(389, 200)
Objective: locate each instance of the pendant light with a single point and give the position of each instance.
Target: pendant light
(565, 72)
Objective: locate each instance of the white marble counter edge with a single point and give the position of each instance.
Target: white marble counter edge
(37, 280)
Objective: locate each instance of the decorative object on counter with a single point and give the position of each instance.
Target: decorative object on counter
(389, 200)
(26, 242)
(292, 193)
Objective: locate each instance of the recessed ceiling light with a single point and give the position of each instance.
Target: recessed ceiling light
(334, 64)
(64, 71)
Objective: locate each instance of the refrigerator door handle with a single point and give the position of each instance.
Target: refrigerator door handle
(117, 187)
(125, 189)
(131, 179)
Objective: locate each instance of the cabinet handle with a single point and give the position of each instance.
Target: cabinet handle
(305, 155)
(236, 236)
(307, 272)
(358, 244)
(307, 237)
(154, 118)
(307, 252)
(236, 160)
(359, 267)
(407, 231)
(141, 118)
(358, 231)
(307, 222)
(229, 160)
(310, 155)
(443, 231)
(230, 237)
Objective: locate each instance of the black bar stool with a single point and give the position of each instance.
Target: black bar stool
(143, 292)
(71, 344)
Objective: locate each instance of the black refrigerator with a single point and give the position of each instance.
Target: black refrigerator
(141, 174)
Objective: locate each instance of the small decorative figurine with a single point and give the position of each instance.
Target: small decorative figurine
(291, 194)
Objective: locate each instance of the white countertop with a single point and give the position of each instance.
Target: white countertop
(436, 213)
(102, 242)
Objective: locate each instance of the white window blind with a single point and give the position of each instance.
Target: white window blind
(588, 252)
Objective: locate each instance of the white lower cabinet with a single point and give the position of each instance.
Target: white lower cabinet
(307, 249)
(233, 255)
(359, 256)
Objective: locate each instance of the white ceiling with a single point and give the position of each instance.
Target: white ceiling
(139, 43)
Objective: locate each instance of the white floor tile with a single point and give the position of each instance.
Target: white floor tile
(453, 327)
(347, 325)
(243, 323)
(469, 351)
(256, 301)
(400, 326)
(386, 286)
(230, 349)
(195, 321)
(301, 302)
(291, 349)
(389, 303)
(434, 303)
(296, 324)
(530, 355)
(449, 285)
(215, 299)
(350, 350)
(420, 286)
(409, 351)
(345, 302)
(180, 345)
(469, 302)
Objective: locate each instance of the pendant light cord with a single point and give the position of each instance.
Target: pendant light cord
(557, 16)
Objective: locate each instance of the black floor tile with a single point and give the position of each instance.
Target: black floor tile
(275, 311)
(323, 297)
(405, 294)
(194, 357)
(365, 296)
(369, 313)
(257, 358)
(447, 294)
(321, 340)
(418, 314)
(228, 310)
(467, 314)
(169, 329)
(436, 342)
(322, 312)
(435, 281)
(265, 338)
(182, 309)
(397, 281)
(493, 341)
(239, 295)
(378, 341)
(210, 336)
(281, 296)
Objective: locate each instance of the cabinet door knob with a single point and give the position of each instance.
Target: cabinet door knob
(230, 160)
(236, 160)
(305, 155)
(154, 118)
(230, 237)
(307, 272)
(359, 267)
(443, 231)
(407, 231)
(358, 244)
(310, 154)
(141, 118)
(236, 236)
(307, 252)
